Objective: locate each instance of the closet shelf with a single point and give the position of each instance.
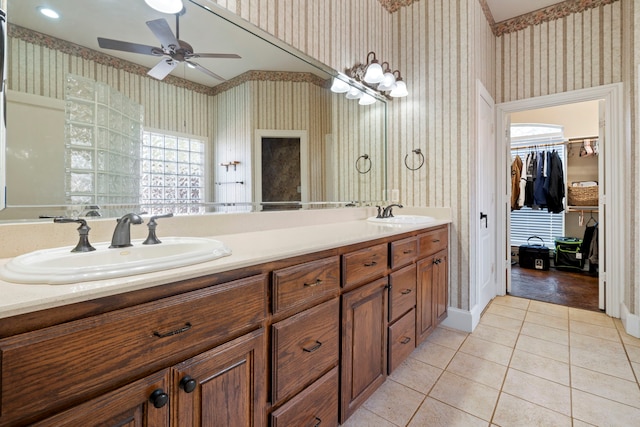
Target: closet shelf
(582, 208)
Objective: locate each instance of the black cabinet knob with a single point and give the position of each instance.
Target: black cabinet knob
(188, 384)
(159, 398)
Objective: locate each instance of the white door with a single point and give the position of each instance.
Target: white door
(602, 224)
(485, 221)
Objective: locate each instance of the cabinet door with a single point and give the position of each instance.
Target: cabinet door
(142, 403)
(224, 386)
(425, 319)
(441, 286)
(364, 344)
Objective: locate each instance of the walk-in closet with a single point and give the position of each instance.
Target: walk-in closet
(554, 233)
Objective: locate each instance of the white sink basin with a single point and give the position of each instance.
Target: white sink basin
(403, 220)
(61, 266)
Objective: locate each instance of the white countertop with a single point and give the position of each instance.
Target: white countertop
(249, 248)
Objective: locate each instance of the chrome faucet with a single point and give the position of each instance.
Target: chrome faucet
(122, 233)
(388, 211)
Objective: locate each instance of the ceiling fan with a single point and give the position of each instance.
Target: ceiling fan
(173, 50)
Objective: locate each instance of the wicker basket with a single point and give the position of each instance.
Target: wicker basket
(583, 196)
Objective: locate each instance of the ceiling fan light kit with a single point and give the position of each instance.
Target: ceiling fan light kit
(173, 50)
(166, 6)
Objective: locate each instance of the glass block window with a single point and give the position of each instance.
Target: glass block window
(103, 129)
(173, 173)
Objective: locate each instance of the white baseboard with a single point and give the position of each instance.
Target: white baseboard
(631, 322)
(462, 320)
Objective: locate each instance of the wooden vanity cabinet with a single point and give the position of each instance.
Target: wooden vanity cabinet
(364, 344)
(432, 283)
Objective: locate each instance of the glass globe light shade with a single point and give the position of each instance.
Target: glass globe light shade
(367, 99)
(354, 93)
(374, 73)
(400, 90)
(339, 86)
(387, 83)
(166, 6)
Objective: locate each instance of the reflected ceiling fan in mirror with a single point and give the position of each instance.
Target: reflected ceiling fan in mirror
(173, 50)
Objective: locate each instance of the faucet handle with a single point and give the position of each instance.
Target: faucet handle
(83, 244)
(152, 239)
(379, 211)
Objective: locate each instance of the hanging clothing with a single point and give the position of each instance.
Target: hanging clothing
(555, 183)
(539, 197)
(516, 171)
(531, 173)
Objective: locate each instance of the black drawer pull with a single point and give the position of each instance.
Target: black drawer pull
(370, 264)
(185, 328)
(316, 346)
(436, 240)
(159, 398)
(311, 285)
(437, 261)
(407, 252)
(188, 384)
(406, 292)
(405, 340)
(318, 422)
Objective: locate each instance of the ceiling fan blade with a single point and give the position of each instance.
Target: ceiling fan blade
(127, 47)
(215, 55)
(162, 69)
(161, 29)
(206, 71)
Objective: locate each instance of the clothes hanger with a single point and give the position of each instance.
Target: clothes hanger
(592, 219)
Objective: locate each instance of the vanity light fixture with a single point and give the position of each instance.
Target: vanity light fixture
(374, 73)
(166, 6)
(48, 12)
(371, 75)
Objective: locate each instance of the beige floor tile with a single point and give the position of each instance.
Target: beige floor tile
(501, 322)
(626, 338)
(479, 370)
(511, 301)
(578, 423)
(496, 335)
(602, 412)
(433, 354)
(547, 320)
(543, 348)
(542, 367)
(503, 310)
(447, 337)
(469, 396)
(622, 391)
(618, 366)
(394, 402)
(434, 413)
(416, 375)
(545, 393)
(549, 309)
(513, 411)
(636, 369)
(365, 418)
(487, 350)
(546, 333)
(596, 345)
(588, 329)
(592, 317)
(633, 353)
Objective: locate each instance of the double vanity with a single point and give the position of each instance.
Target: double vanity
(297, 322)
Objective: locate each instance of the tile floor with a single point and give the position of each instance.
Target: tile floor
(528, 363)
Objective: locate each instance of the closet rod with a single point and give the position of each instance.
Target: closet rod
(551, 144)
(582, 139)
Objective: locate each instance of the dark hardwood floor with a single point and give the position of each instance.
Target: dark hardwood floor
(573, 289)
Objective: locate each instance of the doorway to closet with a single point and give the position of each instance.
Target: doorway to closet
(613, 161)
(554, 204)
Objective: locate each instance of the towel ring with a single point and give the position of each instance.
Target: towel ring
(365, 157)
(419, 153)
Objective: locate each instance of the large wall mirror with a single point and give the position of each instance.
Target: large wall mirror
(244, 124)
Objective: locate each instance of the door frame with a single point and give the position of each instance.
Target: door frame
(612, 192)
(259, 134)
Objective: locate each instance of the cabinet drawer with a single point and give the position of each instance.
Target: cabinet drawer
(402, 295)
(404, 252)
(402, 339)
(433, 241)
(304, 346)
(364, 265)
(116, 347)
(317, 405)
(305, 283)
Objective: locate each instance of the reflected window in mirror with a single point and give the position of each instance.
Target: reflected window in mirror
(173, 173)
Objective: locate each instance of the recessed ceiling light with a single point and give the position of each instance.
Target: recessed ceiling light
(48, 12)
(166, 6)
